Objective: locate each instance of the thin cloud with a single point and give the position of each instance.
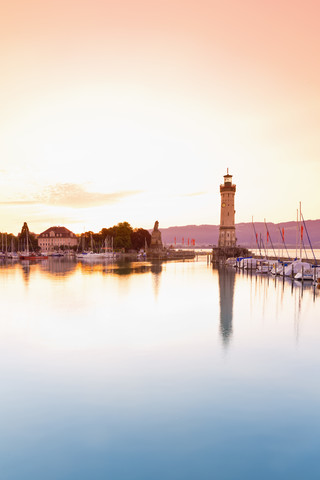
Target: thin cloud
(75, 196)
(20, 202)
(194, 194)
(72, 195)
(56, 220)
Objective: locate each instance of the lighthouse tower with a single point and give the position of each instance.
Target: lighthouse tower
(227, 231)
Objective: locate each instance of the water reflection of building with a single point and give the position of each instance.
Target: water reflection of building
(156, 269)
(59, 266)
(226, 292)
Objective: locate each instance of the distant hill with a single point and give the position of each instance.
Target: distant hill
(205, 235)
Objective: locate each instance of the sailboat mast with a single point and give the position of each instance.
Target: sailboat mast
(268, 235)
(262, 244)
(306, 230)
(256, 235)
(300, 233)
(297, 233)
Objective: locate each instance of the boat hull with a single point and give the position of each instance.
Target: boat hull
(33, 257)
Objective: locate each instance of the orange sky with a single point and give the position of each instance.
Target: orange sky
(133, 110)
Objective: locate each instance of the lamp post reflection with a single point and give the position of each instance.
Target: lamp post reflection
(226, 293)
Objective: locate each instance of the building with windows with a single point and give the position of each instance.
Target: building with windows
(56, 237)
(227, 231)
(227, 245)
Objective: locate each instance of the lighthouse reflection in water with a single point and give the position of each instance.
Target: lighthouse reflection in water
(175, 371)
(227, 278)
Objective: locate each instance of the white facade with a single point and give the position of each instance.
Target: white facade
(56, 237)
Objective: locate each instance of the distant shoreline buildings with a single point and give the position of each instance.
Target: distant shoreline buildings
(57, 237)
(225, 235)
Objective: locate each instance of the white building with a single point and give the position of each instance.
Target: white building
(56, 237)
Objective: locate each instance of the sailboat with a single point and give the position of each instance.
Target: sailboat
(12, 254)
(311, 273)
(306, 271)
(297, 266)
(31, 255)
(91, 256)
(2, 253)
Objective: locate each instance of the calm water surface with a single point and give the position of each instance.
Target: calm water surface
(172, 371)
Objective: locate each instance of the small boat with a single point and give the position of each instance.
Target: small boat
(86, 255)
(92, 257)
(247, 263)
(310, 274)
(297, 266)
(264, 266)
(32, 256)
(13, 256)
(230, 262)
(277, 267)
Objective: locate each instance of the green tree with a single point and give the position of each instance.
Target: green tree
(122, 238)
(8, 242)
(26, 237)
(139, 238)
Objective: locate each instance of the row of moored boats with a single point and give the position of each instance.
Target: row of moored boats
(85, 255)
(296, 269)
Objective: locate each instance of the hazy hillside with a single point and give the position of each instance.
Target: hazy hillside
(208, 234)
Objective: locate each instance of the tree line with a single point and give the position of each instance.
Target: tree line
(120, 237)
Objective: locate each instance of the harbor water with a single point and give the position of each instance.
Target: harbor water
(139, 371)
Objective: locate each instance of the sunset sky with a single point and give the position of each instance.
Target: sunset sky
(132, 110)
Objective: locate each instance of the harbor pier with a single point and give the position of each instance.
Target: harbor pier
(221, 254)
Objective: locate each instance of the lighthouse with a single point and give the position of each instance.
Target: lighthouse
(227, 230)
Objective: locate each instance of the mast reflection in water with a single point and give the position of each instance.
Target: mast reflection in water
(226, 293)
